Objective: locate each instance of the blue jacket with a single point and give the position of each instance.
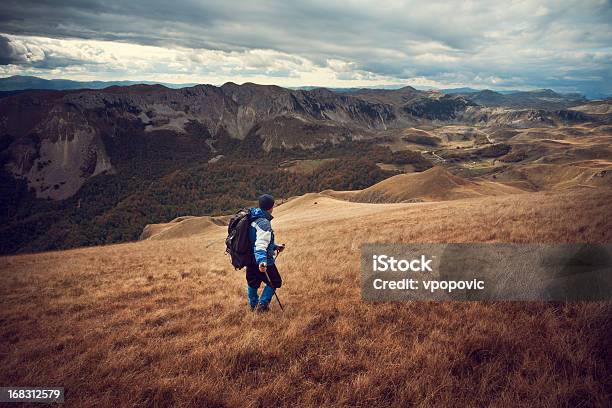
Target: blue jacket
(262, 236)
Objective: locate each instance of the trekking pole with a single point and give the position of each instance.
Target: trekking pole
(273, 288)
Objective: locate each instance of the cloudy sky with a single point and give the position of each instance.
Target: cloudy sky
(564, 44)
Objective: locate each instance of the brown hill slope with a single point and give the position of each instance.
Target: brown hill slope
(165, 322)
(554, 177)
(435, 184)
(182, 227)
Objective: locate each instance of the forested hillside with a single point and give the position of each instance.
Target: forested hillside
(155, 183)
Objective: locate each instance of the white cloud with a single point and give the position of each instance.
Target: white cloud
(93, 59)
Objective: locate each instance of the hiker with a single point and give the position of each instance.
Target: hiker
(261, 238)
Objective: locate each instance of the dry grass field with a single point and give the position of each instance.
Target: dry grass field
(435, 184)
(164, 322)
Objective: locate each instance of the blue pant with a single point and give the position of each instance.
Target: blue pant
(255, 279)
(266, 295)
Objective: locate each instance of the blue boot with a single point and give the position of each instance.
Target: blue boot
(266, 297)
(253, 297)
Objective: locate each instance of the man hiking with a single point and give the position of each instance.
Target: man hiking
(262, 266)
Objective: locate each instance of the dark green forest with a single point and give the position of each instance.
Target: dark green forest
(159, 178)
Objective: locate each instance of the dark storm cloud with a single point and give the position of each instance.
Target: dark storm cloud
(8, 54)
(305, 27)
(526, 42)
(29, 55)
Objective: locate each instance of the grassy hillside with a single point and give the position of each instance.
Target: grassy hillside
(435, 184)
(165, 322)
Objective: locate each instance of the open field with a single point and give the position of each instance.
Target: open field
(164, 322)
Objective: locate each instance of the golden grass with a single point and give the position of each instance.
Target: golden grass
(165, 323)
(435, 184)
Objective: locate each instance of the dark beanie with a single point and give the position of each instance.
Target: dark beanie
(266, 202)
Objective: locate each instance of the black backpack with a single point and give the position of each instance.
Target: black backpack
(238, 244)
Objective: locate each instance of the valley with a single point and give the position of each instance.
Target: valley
(92, 167)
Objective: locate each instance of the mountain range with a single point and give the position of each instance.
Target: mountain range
(23, 82)
(92, 166)
(56, 140)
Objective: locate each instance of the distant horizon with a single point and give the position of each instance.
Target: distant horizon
(178, 85)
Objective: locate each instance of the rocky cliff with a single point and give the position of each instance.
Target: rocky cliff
(56, 140)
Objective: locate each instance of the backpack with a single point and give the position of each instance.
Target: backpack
(238, 244)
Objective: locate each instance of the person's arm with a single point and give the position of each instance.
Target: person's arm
(263, 236)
